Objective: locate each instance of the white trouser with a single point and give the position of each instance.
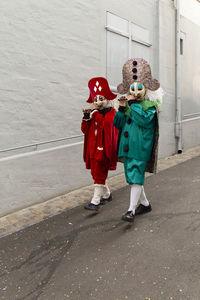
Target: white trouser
(98, 193)
(137, 195)
(143, 198)
(106, 192)
(100, 190)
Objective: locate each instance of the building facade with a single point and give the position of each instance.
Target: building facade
(48, 52)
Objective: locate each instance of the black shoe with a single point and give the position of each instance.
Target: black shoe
(104, 200)
(92, 206)
(129, 216)
(141, 209)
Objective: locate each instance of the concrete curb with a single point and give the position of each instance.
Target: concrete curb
(35, 214)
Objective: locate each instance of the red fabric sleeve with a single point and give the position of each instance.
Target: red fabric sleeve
(85, 125)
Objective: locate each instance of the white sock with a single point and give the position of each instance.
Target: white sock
(106, 192)
(136, 190)
(98, 192)
(143, 198)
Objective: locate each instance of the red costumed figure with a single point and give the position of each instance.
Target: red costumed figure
(100, 143)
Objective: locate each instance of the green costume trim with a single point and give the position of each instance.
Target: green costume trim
(146, 104)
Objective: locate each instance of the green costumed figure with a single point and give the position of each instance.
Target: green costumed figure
(137, 121)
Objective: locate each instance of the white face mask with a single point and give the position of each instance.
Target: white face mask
(137, 90)
(100, 102)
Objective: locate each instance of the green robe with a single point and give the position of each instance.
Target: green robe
(137, 139)
(137, 132)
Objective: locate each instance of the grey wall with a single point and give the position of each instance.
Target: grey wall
(190, 83)
(190, 68)
(191, 133)
(48, 51)
(167, 145)
(44, 67)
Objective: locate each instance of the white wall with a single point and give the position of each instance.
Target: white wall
(167, 145)
(191, 132)
(190, 69)
(49, 50)
(191, 10)
(190, 83)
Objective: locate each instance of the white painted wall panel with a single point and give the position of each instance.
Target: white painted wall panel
(167, 77)
(190, 68)
(44, 68)
(191, 133)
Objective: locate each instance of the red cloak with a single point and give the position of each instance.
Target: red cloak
(100, 140)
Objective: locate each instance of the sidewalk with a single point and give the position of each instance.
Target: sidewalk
(34, 214)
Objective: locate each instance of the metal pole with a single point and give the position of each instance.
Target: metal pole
(158, 39)
(178, 124)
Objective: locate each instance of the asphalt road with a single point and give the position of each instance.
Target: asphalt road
(80, 255)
